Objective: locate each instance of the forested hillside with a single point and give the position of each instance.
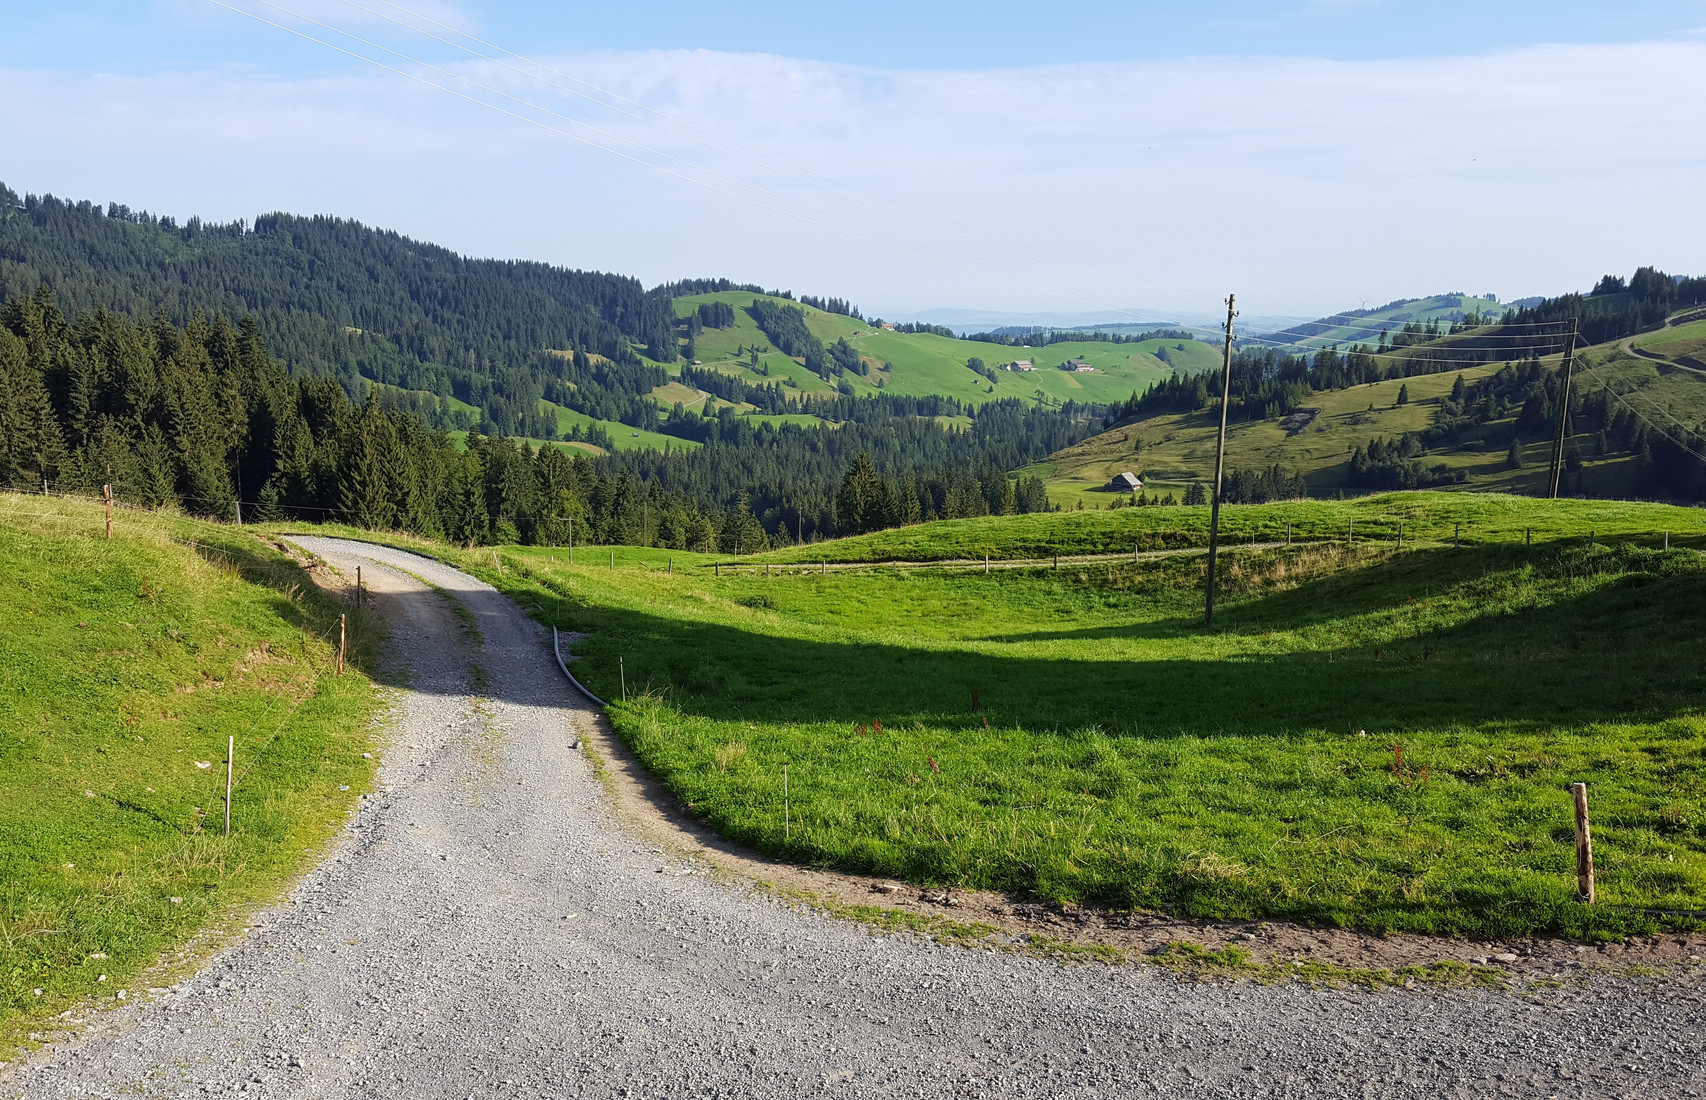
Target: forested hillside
(1440, 403)
(334, 297)
(201, 417)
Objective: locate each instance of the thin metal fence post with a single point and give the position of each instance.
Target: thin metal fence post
(230, 751)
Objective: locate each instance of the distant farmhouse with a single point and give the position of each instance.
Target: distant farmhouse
(1127, 482)
(1020, 364)
(1077, 366)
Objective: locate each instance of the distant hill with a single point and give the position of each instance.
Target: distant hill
(332, 296)
(1107, 320)
(1359, 326)
(1444, 407)
(919, 364)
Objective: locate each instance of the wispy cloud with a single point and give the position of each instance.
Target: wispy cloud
(1302, 184)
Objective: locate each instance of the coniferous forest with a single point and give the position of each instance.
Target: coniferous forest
(201, 417)
(306, 367)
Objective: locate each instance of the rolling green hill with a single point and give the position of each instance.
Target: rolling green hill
(917, 364)
(1365, 325)
(1624, 401)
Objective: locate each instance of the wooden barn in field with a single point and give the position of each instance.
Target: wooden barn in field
(1127, 482)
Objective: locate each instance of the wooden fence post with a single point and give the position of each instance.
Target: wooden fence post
(1584, 844)
(342, 623)
(107, 495)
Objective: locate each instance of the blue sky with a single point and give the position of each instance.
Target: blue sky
(126, 35)
(1019, 157)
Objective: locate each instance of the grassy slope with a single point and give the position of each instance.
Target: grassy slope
(128, 662)
(1439, 306)
(1685, 342)
(1118, 752)
(929, 364)
(1478, 518)
(1172, 450)
(625, 437)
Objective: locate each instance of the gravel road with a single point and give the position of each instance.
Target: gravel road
(490, 929)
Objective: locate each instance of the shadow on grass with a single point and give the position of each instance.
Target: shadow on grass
(1619, 651)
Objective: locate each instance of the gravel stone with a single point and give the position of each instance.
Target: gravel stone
(488, 929)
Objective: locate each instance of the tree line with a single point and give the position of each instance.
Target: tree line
(201, 417)
(332, 296)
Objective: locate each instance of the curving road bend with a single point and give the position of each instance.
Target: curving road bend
(489, 928)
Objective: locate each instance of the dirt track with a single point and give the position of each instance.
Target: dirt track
(496, 925)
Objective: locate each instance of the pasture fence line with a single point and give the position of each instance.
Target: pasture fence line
(1396, 534)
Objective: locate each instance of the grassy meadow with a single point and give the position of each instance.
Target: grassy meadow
(127, 664)
(1428, 517)
(1368, 736)
(924, 363)
(1173, 450)
(1367, 328)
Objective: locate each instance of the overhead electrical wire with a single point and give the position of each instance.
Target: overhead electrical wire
(1589, 371)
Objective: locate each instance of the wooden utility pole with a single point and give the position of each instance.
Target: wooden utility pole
(1584, 844)
(1219, 460)
(1557, 472)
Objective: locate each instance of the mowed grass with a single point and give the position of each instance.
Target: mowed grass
(125, 667)
(1079, 736)
(1435, 517)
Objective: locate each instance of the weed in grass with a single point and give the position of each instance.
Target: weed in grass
(731, 756)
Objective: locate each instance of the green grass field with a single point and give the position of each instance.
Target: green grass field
(1426, 517)
(1173, 450)
(1367, 329)
(625, 437)
(126, 666)
(1079, 736)
(928, 364)
(1685, 343)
